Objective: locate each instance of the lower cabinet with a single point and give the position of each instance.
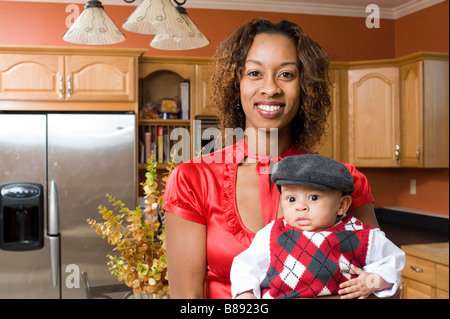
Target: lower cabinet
(425, 275)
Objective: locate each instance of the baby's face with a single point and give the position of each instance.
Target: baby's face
(312, 209)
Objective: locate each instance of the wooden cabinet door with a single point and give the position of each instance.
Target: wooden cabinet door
(411, 113)
(330, 143)
(100, 78)
(374, 121)
(425, 113)
(415, 290)
(203, 103)
(31, 77)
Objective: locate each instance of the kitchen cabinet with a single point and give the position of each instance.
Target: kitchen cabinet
(99, 78)
(425, 275)
(424, 112)
(31, 77)
(203, 105)
(398, 112)
(330, 143)
(374, 116)
(67, 75)
(160, 78)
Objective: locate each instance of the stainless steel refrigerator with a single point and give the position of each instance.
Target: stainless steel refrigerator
(55, 170)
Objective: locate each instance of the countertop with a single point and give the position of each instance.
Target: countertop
(436, 252)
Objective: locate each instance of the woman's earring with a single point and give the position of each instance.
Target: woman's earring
(238, 104)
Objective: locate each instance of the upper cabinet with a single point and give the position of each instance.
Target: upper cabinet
(425, 112)
(31, 77)
(68, 75)
(203, 104)
(99, 78)
(330, 143)
(398, 112)
(374, 116)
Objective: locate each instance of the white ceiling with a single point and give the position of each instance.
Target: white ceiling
(389, 9)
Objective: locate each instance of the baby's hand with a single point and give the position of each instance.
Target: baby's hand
(361, 287)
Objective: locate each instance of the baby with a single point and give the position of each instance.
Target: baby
(316, 249)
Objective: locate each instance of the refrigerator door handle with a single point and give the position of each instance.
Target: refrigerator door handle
(53, 218)
(53, 233)
(54, 259)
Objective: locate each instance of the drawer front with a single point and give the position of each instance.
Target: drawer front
(416, 290)
(420, 269)
(442, 277)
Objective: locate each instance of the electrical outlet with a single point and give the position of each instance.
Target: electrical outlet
(412, 187)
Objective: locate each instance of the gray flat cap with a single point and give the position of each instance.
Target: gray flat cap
(313, 170)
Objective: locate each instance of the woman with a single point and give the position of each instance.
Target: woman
(266, 76)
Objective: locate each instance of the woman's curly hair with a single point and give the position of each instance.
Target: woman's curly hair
(226, 70)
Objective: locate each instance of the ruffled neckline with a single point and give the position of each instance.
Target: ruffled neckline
(239, 152)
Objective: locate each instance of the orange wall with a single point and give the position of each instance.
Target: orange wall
(346, 39)
(425, 30)
(391, 187)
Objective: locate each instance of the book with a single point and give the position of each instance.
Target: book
(160, 144)
(154, 149)
(184, 100)
(166, 148)
(141, 152)
(148, 146)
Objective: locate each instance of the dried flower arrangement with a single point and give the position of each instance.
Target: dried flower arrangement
(141, 263)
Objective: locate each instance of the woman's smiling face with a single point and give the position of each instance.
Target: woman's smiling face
(270, 83)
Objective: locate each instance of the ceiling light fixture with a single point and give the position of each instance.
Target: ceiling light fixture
(155, 17)
(172, 26)
(93, 26)
(192, 39)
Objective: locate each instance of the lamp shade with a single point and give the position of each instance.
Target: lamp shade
(93, 26)
(192, 40)
(156, 17)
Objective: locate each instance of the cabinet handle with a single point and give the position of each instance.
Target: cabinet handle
(416, 269)
(69, 87)
(61, 86)
(400, 288)
(418, 154)
(397, 154)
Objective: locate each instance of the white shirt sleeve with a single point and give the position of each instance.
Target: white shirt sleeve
(250, 267)
(385, 259)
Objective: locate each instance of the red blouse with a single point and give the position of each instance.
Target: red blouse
(203, 190)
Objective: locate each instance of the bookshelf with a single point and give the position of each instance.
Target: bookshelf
(151, 126)
(161, 78)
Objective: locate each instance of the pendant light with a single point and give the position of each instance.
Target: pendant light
(193, 39)
(93, 26)
(156, 17)
(172, 26)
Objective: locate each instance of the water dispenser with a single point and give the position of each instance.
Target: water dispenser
(21, 216)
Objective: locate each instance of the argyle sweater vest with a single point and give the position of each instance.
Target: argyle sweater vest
(311, 264)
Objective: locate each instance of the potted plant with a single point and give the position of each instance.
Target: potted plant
(138, 237)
